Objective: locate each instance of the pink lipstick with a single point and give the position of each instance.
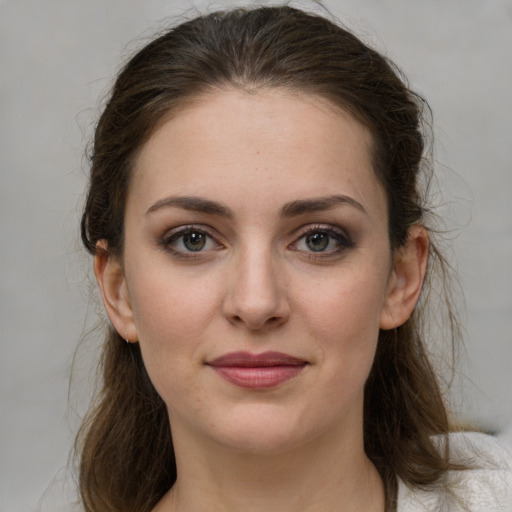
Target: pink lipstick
(257, 371)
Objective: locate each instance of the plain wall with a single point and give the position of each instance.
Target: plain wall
(58, 58)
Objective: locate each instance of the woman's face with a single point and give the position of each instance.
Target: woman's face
(257, 269)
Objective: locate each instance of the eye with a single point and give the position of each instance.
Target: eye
(317, 241)
(188, 240)
(323, 240)
(194, 241)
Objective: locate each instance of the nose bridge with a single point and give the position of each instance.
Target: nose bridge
(256, 296)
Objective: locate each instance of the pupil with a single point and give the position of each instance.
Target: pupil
(318, 241)
(194, 241)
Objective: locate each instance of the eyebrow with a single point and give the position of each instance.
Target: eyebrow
(292, 209)
(196, 204)
(319, 204)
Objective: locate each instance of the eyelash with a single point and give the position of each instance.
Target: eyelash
(179, 233)
(341, 238)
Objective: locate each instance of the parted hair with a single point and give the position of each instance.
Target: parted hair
(126, 458)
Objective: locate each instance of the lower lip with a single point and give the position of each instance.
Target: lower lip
(262, 377)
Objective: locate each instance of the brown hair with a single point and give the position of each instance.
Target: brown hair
(127, 461)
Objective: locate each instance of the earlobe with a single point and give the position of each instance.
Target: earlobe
(406, 279)
(112, 283)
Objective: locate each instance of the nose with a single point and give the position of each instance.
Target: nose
(255, 295)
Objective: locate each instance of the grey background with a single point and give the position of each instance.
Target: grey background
(58, 58)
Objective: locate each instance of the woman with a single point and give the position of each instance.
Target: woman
(260, 241)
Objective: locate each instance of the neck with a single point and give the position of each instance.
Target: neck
(317, 476)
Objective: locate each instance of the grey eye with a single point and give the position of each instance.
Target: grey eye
(324, 241)
(189, 240)
(318, 241)
(194, 241)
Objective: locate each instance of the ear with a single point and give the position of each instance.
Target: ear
(406, 279)
(112, 283)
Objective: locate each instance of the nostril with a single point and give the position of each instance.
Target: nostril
(272, 321)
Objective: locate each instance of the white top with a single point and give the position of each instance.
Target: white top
(486, 488)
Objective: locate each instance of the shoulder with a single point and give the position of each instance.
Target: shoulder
(485, 487)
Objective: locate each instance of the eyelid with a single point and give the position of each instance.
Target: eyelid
(344, 239)
(328, 228)
(175, 233)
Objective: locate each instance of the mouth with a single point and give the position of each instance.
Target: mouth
(257, 371)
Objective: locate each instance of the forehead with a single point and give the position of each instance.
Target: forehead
(250, 148)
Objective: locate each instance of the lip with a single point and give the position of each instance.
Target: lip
(257, 371)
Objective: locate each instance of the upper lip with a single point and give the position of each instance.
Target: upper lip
(249, 360)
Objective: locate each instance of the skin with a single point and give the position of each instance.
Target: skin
(257, 285)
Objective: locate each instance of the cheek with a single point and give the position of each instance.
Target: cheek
(351, 300)
(171, 319)
(171, 314)
(171, 303)
(343, 316)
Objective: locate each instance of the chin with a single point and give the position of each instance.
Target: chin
(264, 430)
(256, 442)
